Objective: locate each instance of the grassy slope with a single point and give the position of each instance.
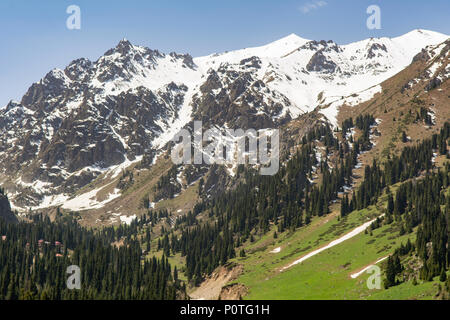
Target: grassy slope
(327, 274)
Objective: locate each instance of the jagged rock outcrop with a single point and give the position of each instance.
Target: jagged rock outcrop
(320, 63)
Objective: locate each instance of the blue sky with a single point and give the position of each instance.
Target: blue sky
(35, 39)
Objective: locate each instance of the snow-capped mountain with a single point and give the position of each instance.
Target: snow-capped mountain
(98, 117)
(311, 73)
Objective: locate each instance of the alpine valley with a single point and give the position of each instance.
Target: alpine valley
(364, 174)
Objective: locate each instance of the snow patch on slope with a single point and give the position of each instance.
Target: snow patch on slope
(345, 237)
(332, 110)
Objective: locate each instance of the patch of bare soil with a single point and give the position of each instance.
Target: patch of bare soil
(211, 288)
(233, 291)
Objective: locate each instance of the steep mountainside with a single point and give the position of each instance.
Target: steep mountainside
(94, 119)
(394, 211)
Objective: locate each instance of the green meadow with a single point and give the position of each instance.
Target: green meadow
(327, 274)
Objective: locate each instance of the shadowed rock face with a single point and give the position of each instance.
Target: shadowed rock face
(81, 117)
(421, 56)
(320, 63)
(374, 50)
(5, 210)
(238, 99)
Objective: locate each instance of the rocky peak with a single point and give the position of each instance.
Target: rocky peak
(125, 60)
(322, 45)
(78, 69)
(123, 47)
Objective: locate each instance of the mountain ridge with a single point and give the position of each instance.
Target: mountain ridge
(95, 118)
